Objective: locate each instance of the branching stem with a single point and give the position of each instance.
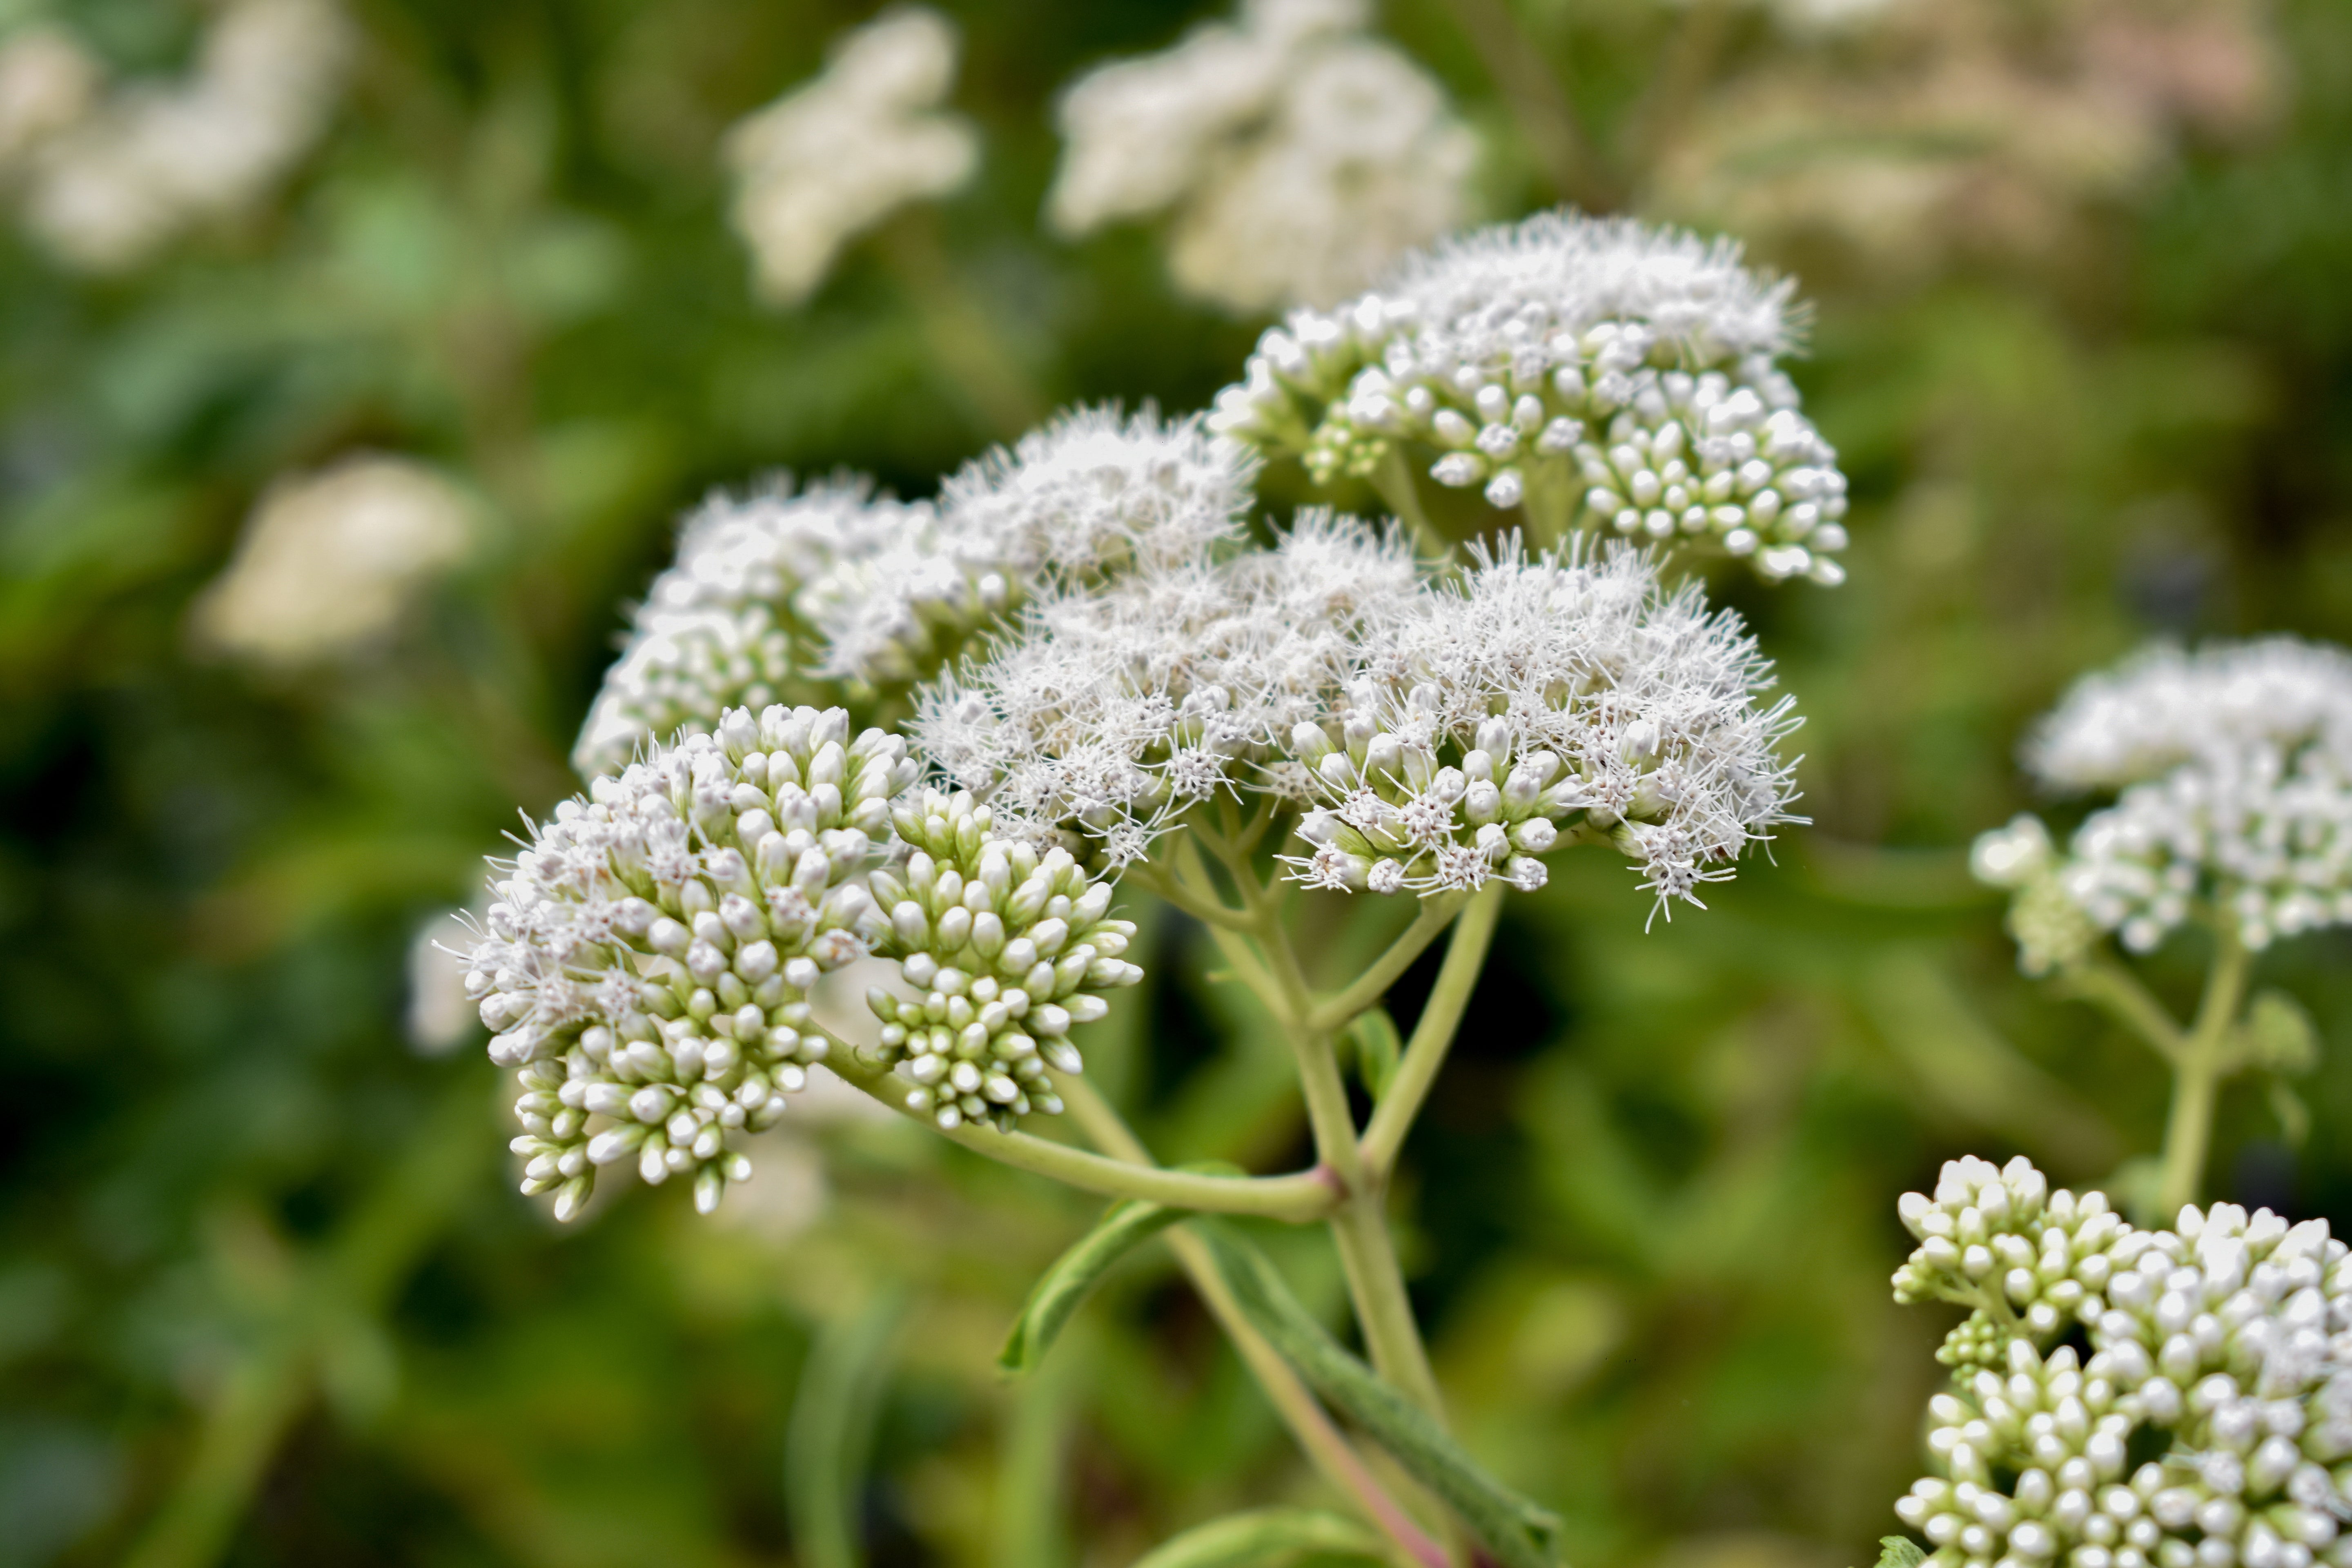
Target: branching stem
(1432, 1035)
(1394, 482)
(1436, 914)
(1325, 1446)
(1306, 1195)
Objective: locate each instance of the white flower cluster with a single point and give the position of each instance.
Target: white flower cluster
(1600, 362)
(1112, 711)
(2235, 765)
(829, 161)
(1299, 155)
(833, 591)
(331, 561)
(2223, 1348)
(111, 176)
(1566, 698)
(1008, 950)
(741, 618)
(648, 959)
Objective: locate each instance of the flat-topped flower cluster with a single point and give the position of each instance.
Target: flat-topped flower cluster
(2233, 768)
(2218, 1348)
(1567, 363)
(1086, 644)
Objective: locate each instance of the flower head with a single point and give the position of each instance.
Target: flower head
(2218, 1339)
(1300, 156)
(1631, 366)
(830, 159)
(741, 618)
(2235, 765)
(1538, 702)
(647, 961)
(1109, 713)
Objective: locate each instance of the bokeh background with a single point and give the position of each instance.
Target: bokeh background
(2083, 333)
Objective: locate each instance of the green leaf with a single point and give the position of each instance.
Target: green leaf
(1057, 1294)
(1519, 1532)
(1373, 1034)
(831, 1434)
(1900, 1552)
(1262, 1538)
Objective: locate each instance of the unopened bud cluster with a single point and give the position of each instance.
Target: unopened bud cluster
(1008, 950)
(1630, 367)
(647, 963)
(1404, 817)
(2225, 1340)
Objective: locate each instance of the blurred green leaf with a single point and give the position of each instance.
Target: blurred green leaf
(1264, 1538)
(1520, 1532)
(1063, 1287)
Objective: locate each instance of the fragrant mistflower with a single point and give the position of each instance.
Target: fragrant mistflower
(1567, 363)
(646, 960)
(831, 160)
(2234, 768)
(1107, 714)
(1538, 702)
(1007, 951)
(329, 561)
(1090, 496)
(1299, 156)
(2215, 1349)
(109, 186)
(737, 621)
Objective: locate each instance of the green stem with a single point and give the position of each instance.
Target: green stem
(2116, 992)
(2188, 1131)
(1359, 1224)
(1395, 484)
(1432, 1035)
(1322, 1442)
(241, 1432)
(1368, 989)
(1306, 1195)
(1177, 892)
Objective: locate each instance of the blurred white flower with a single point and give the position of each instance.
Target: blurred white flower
(47, 82)
(2235, 765)
(108, 187)
(830, 159)
(329, 561)
(1299, 156)
(440, 1015)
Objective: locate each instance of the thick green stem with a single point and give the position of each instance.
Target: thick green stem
(1432, 1035)
(2196, 1075)
(1306, 1195)
(1359, 1224)
(1395, 484)
(1322, 1442)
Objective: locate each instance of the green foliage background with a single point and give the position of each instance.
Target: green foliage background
(245, 1231)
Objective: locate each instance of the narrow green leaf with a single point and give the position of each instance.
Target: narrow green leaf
(1519, 1532)
(1262, 1539)
(1900, 1552)
(1373, 1034)
(1057, 1294)
(831, 1434)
